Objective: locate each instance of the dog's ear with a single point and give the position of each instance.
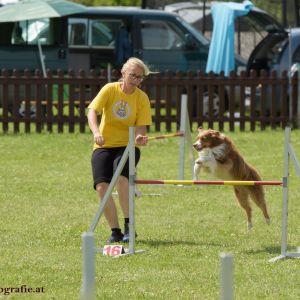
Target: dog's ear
(216, 134)
(213, 133)
(219, 134)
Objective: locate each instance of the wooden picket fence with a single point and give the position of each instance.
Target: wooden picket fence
(30, 102)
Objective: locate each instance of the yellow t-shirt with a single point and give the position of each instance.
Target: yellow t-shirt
(119, 111)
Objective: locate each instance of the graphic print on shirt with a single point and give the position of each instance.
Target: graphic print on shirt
(121, 110)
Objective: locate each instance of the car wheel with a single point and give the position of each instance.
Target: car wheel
(32, 110)
(216, 103)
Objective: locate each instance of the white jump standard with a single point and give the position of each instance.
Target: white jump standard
(87, 291)
(288, 153)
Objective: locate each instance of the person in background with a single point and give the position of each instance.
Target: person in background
(18, 38)
(121, 104)
(123, 45)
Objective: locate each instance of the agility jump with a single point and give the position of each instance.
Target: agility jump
(289, 154)
(88, 244)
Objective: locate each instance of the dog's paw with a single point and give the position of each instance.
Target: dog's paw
(249, 225)
(138, 193)
(268, 221)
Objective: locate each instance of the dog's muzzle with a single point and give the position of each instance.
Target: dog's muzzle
(197, 146)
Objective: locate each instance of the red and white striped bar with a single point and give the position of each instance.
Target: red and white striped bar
(164, 136)
(207, 182)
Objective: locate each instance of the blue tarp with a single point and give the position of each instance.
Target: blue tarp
(221, 50)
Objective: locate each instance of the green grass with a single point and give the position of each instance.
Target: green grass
(47, 202)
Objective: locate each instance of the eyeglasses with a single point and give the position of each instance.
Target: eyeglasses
(136, 77)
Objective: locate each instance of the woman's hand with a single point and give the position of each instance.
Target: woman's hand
(141, 140)
(98, 139)
(93, 124)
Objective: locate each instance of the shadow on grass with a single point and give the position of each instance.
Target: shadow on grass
(175, 242)
(271, 250)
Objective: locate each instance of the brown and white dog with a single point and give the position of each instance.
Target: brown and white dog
(219, 156)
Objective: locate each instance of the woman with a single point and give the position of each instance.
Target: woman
(122, 104)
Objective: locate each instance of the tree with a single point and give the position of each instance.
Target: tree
(110, 2)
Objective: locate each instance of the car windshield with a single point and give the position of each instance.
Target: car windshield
(100, 33)
(37, 29)
(29, 32)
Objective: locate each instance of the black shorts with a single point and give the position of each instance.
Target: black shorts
(105, 162)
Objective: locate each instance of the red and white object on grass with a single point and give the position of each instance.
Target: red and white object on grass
(113, 250)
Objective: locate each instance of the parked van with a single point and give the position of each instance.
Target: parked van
(102, 36)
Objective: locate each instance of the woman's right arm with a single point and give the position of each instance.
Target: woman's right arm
(93, 124)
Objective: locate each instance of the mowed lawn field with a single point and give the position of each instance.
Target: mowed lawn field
(47, 202)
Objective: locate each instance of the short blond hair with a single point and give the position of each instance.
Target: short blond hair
(136, 62)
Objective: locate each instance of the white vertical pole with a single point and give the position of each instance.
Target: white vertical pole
(226, 276)
(41, 54)
(298, 100)
(88, 267)
(290, 71)
(183, 116)
(285, 192)
(189, 142)
(131, 189)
